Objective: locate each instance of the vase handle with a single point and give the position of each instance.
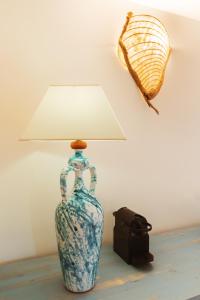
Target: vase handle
(93, 179)
(63, 182)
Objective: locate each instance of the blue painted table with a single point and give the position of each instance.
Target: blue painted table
(174, 275)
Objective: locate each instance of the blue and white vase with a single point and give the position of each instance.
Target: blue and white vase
(79, 227)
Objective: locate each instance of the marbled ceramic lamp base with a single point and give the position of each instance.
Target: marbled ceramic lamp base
(79, 225)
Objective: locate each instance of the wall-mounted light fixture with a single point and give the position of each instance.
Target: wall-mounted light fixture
(144, 49)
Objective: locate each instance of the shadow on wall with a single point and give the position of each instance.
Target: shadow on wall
(29, 193)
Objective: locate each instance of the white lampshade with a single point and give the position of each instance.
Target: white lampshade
(74, 113)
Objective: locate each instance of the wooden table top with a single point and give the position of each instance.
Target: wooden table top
(174, 275)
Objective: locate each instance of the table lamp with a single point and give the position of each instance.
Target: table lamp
(76, 113)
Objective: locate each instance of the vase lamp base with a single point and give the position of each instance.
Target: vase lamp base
(79, 224)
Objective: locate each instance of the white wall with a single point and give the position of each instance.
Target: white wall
(155, 172)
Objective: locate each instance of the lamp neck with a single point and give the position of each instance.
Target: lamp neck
(78, 163)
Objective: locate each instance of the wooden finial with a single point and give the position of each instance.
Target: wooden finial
(78, 144)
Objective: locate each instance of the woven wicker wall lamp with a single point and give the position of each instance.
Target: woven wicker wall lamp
(144, 49)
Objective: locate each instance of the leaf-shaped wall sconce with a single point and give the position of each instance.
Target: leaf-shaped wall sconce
(144, 49)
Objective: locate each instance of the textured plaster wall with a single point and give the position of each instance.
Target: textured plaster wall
(155, 172)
